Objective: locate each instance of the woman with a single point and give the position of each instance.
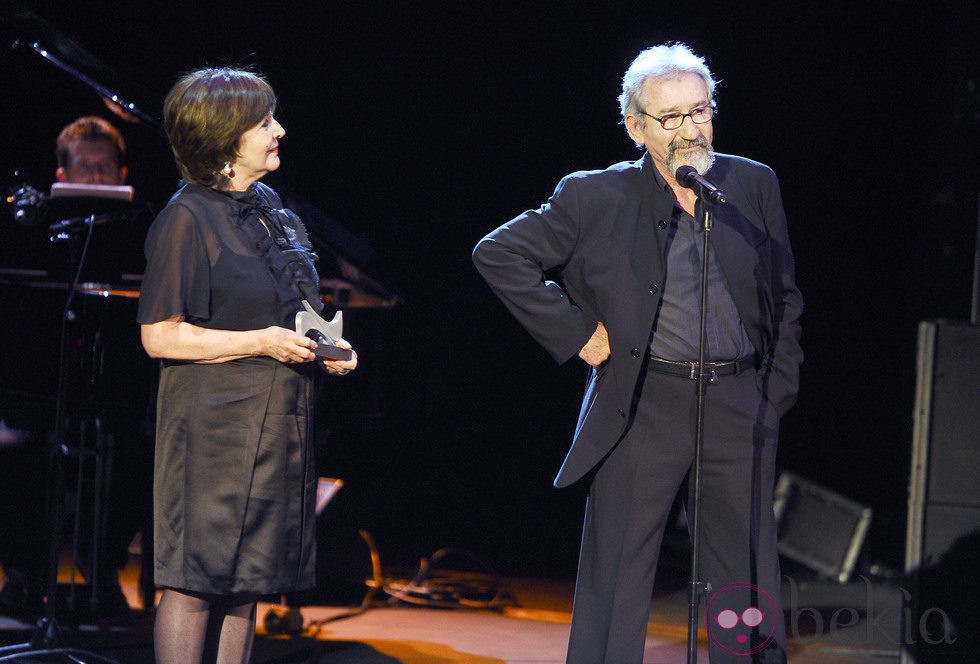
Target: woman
(227, 270)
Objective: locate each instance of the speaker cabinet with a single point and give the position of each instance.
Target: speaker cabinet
(819, 528)
(943, 534)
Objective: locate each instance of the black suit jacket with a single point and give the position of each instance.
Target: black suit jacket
(606, 232)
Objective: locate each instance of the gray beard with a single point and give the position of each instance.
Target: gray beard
(700, 160)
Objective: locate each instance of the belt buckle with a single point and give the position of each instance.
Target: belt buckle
(696, 372)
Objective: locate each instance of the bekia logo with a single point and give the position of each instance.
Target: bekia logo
(742, 619)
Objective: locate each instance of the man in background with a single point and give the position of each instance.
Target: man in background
(89, 151)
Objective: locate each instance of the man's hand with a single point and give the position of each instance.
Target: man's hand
(596, 351)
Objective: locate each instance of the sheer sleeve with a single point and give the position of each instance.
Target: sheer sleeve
(177, 277)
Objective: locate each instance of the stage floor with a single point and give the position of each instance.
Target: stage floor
(828, 623)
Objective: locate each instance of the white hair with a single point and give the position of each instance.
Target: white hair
(657, 61)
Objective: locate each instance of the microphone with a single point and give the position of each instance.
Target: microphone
(75, 223)
(688, 177)
(61, 230)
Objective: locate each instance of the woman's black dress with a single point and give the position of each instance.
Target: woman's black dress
(234, 478)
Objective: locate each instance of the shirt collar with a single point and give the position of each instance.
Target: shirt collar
(647, 164)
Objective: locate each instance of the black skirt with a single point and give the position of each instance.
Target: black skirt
(235, 484)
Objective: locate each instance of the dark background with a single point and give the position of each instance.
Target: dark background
(422, 126)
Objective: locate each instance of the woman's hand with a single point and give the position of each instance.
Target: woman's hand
(286, 346)
(341, 367)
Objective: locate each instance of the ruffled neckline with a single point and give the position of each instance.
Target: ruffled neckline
(282, 242)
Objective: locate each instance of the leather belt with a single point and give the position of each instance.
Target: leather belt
(690, 371)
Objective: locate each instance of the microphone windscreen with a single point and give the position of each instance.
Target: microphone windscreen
(683, 173)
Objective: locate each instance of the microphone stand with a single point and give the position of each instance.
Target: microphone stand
(696, 586)
(47, 634)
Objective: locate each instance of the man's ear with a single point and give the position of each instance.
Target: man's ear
(123, 174)
(60, 175)
(633, 128)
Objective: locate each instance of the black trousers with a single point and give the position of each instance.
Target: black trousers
(627, 509)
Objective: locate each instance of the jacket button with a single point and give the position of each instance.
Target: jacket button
(635, 352)
(621, 412)
(654, 289)
(661, 224)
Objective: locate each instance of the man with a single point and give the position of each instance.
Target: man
(91, 151)
(628, 242)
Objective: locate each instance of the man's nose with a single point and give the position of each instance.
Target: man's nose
(688, 129)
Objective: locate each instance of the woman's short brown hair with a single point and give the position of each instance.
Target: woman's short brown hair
(205, 115)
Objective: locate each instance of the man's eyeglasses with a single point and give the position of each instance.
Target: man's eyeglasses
(672, 121)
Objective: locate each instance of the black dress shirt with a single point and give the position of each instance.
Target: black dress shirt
(679, 321)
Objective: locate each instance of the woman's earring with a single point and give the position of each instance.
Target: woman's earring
(226, 171)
